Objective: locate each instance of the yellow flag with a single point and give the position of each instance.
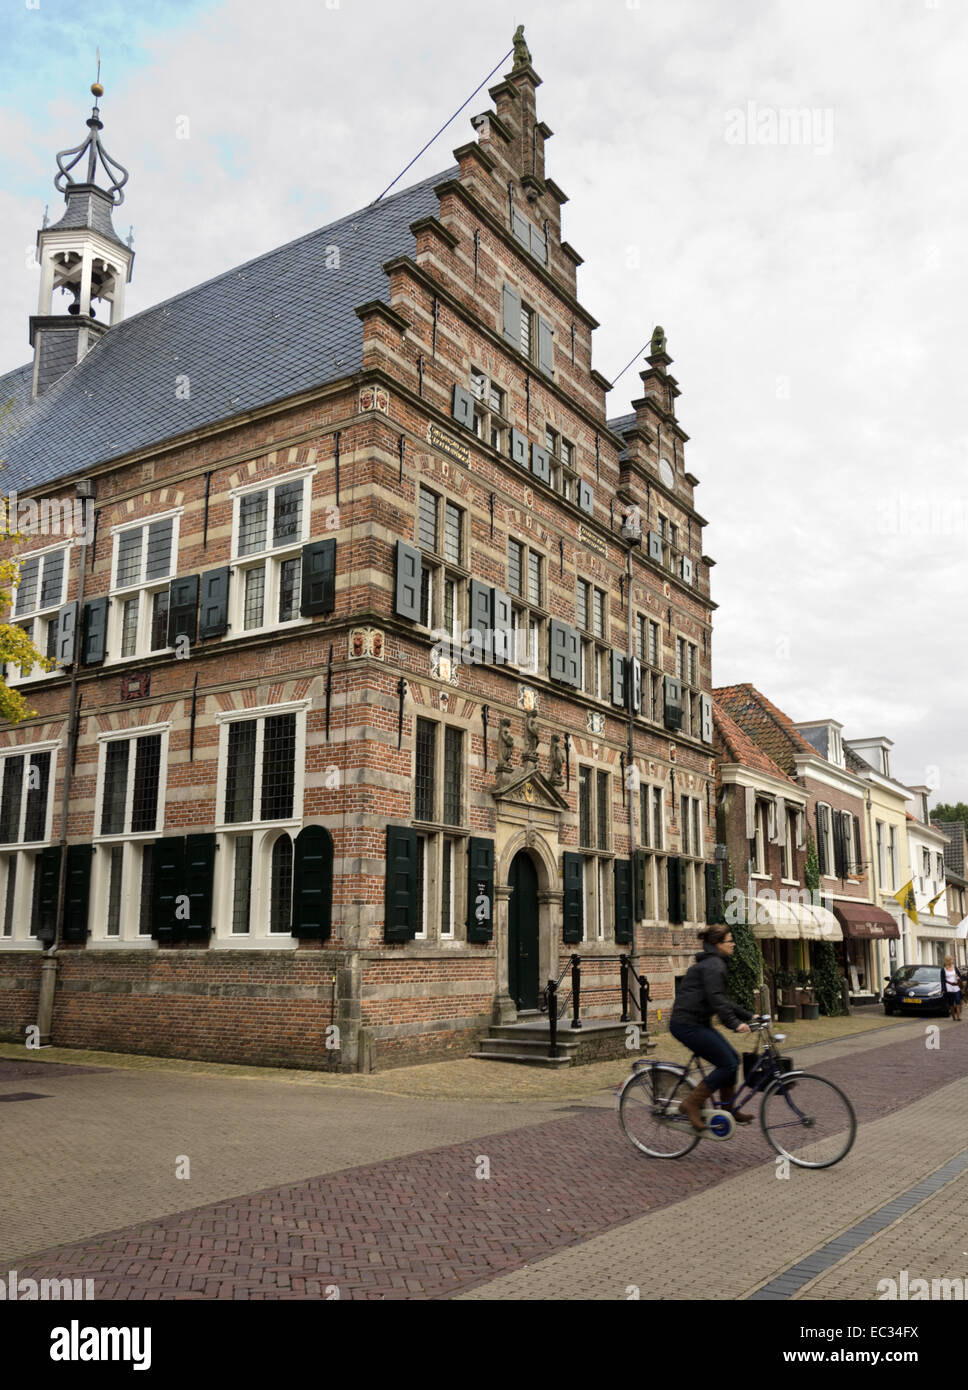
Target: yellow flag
(931, 905)
(905, 896)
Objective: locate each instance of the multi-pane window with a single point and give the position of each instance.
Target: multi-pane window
(687, 668)
(490, 414)
(131, 780)
(594, 817)
(893, 858)
(590, 615)
(440, 536)
(271, 524)
(37, 598)
(25, 786)
(527, 330)
(658, 818)
(145, 558)
(562, 463)
(690, 827)
(260, 783)
(525, 581)
(585, 806)
(439, 785)
(260, 769)
(604, 808)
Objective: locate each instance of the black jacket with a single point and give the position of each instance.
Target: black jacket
(703, 993)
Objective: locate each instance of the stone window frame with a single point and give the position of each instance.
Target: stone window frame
(144, 589)
(270, 558)
(131, 844)
(437, 571)
(435, 836)
(491, 423)
(45, 617)
(527, 616)
(21, 856)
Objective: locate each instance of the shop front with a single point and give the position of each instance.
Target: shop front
(865, 927)
(785, 930)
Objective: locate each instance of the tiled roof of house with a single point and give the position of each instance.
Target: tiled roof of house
(737, 747)
(262, 332)
(768, 727)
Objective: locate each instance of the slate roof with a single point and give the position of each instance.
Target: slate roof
(768, 727)
(955, 848)
(88, 206)
(272, 328)
(738, 747)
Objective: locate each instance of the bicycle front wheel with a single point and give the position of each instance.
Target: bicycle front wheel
(808, 1120)
(649, 1110)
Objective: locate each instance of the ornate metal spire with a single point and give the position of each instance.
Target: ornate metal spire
(116, 173)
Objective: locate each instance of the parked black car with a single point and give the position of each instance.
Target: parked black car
(916, 989)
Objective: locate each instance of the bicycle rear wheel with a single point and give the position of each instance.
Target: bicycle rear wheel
(808, 1120)
(650, 1119)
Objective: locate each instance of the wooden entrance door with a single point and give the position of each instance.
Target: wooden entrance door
(523, 932)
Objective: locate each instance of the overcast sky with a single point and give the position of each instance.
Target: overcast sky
(813, 292)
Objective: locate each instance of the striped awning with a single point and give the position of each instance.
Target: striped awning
(793, 921)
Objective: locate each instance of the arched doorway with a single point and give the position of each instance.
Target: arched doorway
(523, 932)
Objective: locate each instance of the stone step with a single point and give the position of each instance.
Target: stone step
(528, 1059)
(525, 1045)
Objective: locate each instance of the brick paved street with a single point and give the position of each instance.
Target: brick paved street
(295, 1189)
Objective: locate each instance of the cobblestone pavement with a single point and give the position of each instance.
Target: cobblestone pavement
(384, 1215)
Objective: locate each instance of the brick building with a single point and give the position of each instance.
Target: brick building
(389, 653)
(816, 757)
(761, 820)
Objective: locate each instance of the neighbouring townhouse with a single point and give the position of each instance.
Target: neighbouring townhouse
(955, 865)
(887, 821)
(816, 756)
(934, 935)
(761, 819)
(382, 679)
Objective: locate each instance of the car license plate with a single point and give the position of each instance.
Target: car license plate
(911, 1000)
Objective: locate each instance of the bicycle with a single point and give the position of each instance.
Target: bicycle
(805, 1118)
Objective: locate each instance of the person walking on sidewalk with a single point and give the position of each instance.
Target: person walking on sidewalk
(951, 979)
(702, 994)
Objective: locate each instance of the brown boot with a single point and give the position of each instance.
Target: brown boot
(726, 1094)
(691, 1107)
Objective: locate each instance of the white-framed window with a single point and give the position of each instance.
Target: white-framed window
(788, 862)
(36, 600)
(760, 843)
(490, 415)
(881, 863)
(441, 536)
(26, 793)
(591, 610)
(20, 883)
(270, 524)
(439, 780)
(129, 814)
(893, 858)
(144, 561)
(526, 583)
(262, 757)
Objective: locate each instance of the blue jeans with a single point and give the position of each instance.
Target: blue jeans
(711, 1047)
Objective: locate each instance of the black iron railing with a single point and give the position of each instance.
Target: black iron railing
(552, 1003)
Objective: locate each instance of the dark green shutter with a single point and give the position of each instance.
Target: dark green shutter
(672, 712)
(840, 846)
(312, 883)
(48, 868)
(502, 629)
(586, 498)
(821, 841)
(640, 864)
(168, 883)
(519, 448)
(858, 856)
(546, 347)
(214, 618)
(635, 686)
(95, 631)
(77, 892)
(563, 655)
(318, 578)
(480, 889)
(482, 618)
(618, 679)
(677, 891)
(183, 609)
(407, 596)
(197, 886)
(539, 246)
(540, 463)
(623, 902)
(66, 634)
(706, 718)
(463, 409)
(714, 895)
(521, 228)
(400, 920)
(572, 916)
(655, 547)
(511, 304)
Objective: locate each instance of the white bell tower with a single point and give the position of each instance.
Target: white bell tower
(83, 261)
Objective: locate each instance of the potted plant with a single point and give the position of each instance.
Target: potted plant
(806, 995)
(785, 980)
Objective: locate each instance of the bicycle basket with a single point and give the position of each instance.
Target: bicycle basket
(750, 1060)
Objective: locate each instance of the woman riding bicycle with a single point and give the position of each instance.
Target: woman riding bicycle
(702, 994)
